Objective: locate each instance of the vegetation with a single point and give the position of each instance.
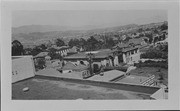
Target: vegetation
(160, 52)
(17, 48)
(60, 42)
(53, 55)
(164, 26)
(149, 63)
(40, 64)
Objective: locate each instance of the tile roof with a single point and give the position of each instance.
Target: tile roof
(130, 48)
(61, 48)
(99, 54)
(42, 54)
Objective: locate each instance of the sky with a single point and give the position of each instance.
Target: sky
(80, 18)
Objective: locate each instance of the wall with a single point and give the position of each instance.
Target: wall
(22, 68)
(121, 86)
(131, 58)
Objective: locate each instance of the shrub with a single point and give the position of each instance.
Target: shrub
(40, 64)
(149, 63)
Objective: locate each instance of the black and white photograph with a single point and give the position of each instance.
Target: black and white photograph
(87, 52)
(90, 54)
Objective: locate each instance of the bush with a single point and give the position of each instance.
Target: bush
(159, 52)
(149, 63)
(40, 64)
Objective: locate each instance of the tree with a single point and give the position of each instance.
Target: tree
(164, 26)
(17, 48)
(91, 43)
(40, 64)
(74, 42)
(60, 42)
(28, 51)
(49, 44)
(43, 46)
(156, 31)
(140, 30)
(53, 55)
(82, 42)
(36, 50)
(109, 43)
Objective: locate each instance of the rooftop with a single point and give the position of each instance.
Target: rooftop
(42, 54)
(132, 79)
(44, 89)
(50, 72)
(130, 48)
(98, 54)
(107, 76)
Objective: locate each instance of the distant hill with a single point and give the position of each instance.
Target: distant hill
(48, 28)
(36, 34)
(37, 28)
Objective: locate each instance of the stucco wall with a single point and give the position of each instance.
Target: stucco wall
(22, 68)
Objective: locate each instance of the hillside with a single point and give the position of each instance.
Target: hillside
(37, 34)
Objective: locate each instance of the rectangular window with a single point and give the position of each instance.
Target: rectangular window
(132, 52)
(136, 51)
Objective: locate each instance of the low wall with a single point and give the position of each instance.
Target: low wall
(121, 86)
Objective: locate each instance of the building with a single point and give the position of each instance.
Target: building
(62, 50)
(41, 55)
(131, 55)
(99, 58)
(73, 50)
(129, 52)
(138, 41)
(22, 68)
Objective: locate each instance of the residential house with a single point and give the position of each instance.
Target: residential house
(63, 50)
(131, 55)
(129, 52)
(70, 68)
(138, 41)
(99, 58)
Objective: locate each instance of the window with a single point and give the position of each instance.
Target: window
(135, 51)
(132, 52)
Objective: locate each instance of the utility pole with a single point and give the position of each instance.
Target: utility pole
(90, 60)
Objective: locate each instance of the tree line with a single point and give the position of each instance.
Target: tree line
(90, 44)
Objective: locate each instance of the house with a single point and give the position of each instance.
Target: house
(73, 50)
(132, 42)
(129, 52)
(99, 58)
(63, 50)
(71, 68)
(131, 55)
(138, 41)
(41, 55)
